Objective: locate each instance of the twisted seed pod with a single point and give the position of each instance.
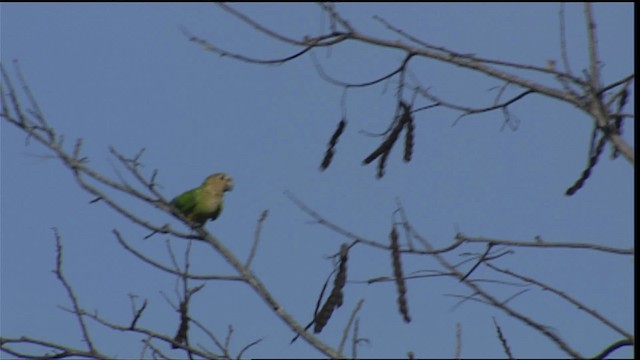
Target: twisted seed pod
(336, 297)
(326, 161)
(593, 160)
(388, 143)
(341, 277)
(397, 273)
(328, 155)
(408, 140)
(381, 165)
(322, 317)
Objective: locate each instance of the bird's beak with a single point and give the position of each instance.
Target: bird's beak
(229, 186)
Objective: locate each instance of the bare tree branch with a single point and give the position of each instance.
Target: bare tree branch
(500, 305)
(167, 269)
(71, 294)
(47, 137)
(458, 240)
(345, 333)
(588, 91)
(256, 238)
(581, 97)
(568, 298)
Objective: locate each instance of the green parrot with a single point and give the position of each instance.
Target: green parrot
(204, 202)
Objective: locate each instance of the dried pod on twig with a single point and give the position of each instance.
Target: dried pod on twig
(336, 297)
(341, 276)
(397, 273)
(385, 148)
(381, 165)
(388, 143)
(322, 317)
(593, 160)
(326, 161)
(328, 155)
(408, 139)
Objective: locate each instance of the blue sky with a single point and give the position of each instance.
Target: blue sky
(124, 75)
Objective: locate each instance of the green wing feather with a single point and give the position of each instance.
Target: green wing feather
(186, 202)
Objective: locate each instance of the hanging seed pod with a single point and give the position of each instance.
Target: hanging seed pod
(397, 273)
(382, 149)
(339, 130)
(385, 148)
(328, 155)
(593, 160)
(381, 165)
(341, 277)
(336, 297)
(326, 161)
(388, 143)
(323, 316)
(408, 140)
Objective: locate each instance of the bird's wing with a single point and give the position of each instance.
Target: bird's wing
(187, 201)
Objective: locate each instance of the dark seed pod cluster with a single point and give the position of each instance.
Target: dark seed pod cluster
(385, 148)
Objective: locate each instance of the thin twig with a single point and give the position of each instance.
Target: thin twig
(480, 260)
(594, 62)
(563, 42)
(256, 238)
(566, 297)
(345, 333)
(491, 300)
(167, 269)
(247, 347)
(459, 239)
(71, 294)
(259, 27)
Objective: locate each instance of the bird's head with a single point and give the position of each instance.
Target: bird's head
(219, 181)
